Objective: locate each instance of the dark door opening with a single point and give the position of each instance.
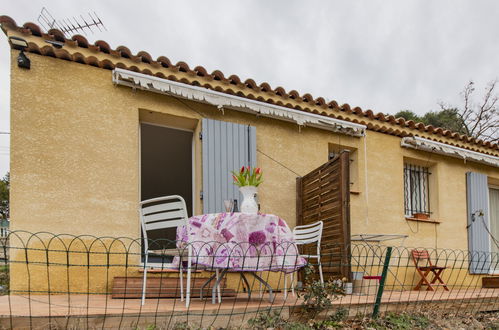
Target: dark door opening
(166, 169)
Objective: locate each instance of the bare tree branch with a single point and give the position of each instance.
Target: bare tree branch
(480, 120)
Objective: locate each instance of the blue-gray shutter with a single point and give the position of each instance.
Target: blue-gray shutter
(477, 191)
(226, 147)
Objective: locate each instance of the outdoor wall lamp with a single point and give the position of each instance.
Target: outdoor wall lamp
(20, 44)
(56, 44)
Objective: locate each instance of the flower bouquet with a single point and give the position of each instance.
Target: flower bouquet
(247, 177)
(248, 180)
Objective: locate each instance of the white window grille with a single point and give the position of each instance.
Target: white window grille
(416, 190)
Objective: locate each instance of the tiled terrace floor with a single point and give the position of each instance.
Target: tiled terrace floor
(30, 308)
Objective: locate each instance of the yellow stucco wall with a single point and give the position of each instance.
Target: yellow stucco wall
(75, 161)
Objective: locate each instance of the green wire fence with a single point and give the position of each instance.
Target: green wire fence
(66, 281)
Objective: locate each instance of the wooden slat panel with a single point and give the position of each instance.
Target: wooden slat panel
(299, 204)
(167, 287)
(324, 195)
(156, 282)
(165, 293)
(345, 214)
(490, 282)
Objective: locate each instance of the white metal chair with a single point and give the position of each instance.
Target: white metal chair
(307, 234)
(160, 213)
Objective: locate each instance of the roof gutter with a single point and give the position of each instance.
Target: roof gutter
(222, 100)
(423, 144)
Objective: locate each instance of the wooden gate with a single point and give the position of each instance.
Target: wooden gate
(324, 194)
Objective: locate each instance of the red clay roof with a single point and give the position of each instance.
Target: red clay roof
(277, 95)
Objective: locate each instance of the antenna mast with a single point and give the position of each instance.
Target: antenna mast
(70, 26)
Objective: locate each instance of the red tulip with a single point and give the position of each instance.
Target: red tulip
(258, 170)
(242, 169)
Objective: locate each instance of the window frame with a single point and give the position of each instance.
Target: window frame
(417, 198)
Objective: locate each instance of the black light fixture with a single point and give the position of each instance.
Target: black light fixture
(20, 44)
(23, 61)
(56, 44)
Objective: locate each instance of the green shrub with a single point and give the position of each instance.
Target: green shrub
(341, 314)
(265, 320)
(317, 296)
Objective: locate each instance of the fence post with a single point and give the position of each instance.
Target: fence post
(377, 304)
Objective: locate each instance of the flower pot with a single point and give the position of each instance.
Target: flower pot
(249, 204)
(422, 216)
(348, 287)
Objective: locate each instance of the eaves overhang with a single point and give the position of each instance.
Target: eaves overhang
(222, 100)
(419, 143)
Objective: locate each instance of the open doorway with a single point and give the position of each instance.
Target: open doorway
(166, 169)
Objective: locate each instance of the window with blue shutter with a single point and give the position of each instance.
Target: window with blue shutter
(477, 191)
(226, 147)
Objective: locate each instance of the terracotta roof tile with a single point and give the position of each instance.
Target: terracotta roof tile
(92, 60)
(107, 64)
(183, 67)
(160, 75)
(280, 91)
(147, 71)
(80, 40)
(124, 51)
(320, 101)
(265, 87)
(250, 83)
(276, 96)
(103, 46)
(47, 51)
(145, 57)
(8, 22)
(165, 62)
(234, 79)
(200, 71)
(33, 28)
(307, 97)
(218, 75)
(294, 95)
(64, 54)
(57, 35)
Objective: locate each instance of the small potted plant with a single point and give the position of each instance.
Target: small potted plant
(421, 216)
(248, 179)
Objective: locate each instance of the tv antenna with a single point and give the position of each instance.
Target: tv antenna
(70, 26)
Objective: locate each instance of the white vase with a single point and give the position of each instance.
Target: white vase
(249, 204)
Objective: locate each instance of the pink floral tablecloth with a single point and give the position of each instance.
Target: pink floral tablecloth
(241, 242)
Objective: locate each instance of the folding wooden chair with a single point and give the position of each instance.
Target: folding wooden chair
(422, 256)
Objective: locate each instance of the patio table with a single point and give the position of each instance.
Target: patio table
(241, 242)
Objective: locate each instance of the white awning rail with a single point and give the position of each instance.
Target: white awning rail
(423, 144)
(223, 100)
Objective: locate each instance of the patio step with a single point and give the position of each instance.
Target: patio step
(490, 282)
(168, 287)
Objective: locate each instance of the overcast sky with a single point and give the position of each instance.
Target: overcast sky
(380, 55)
